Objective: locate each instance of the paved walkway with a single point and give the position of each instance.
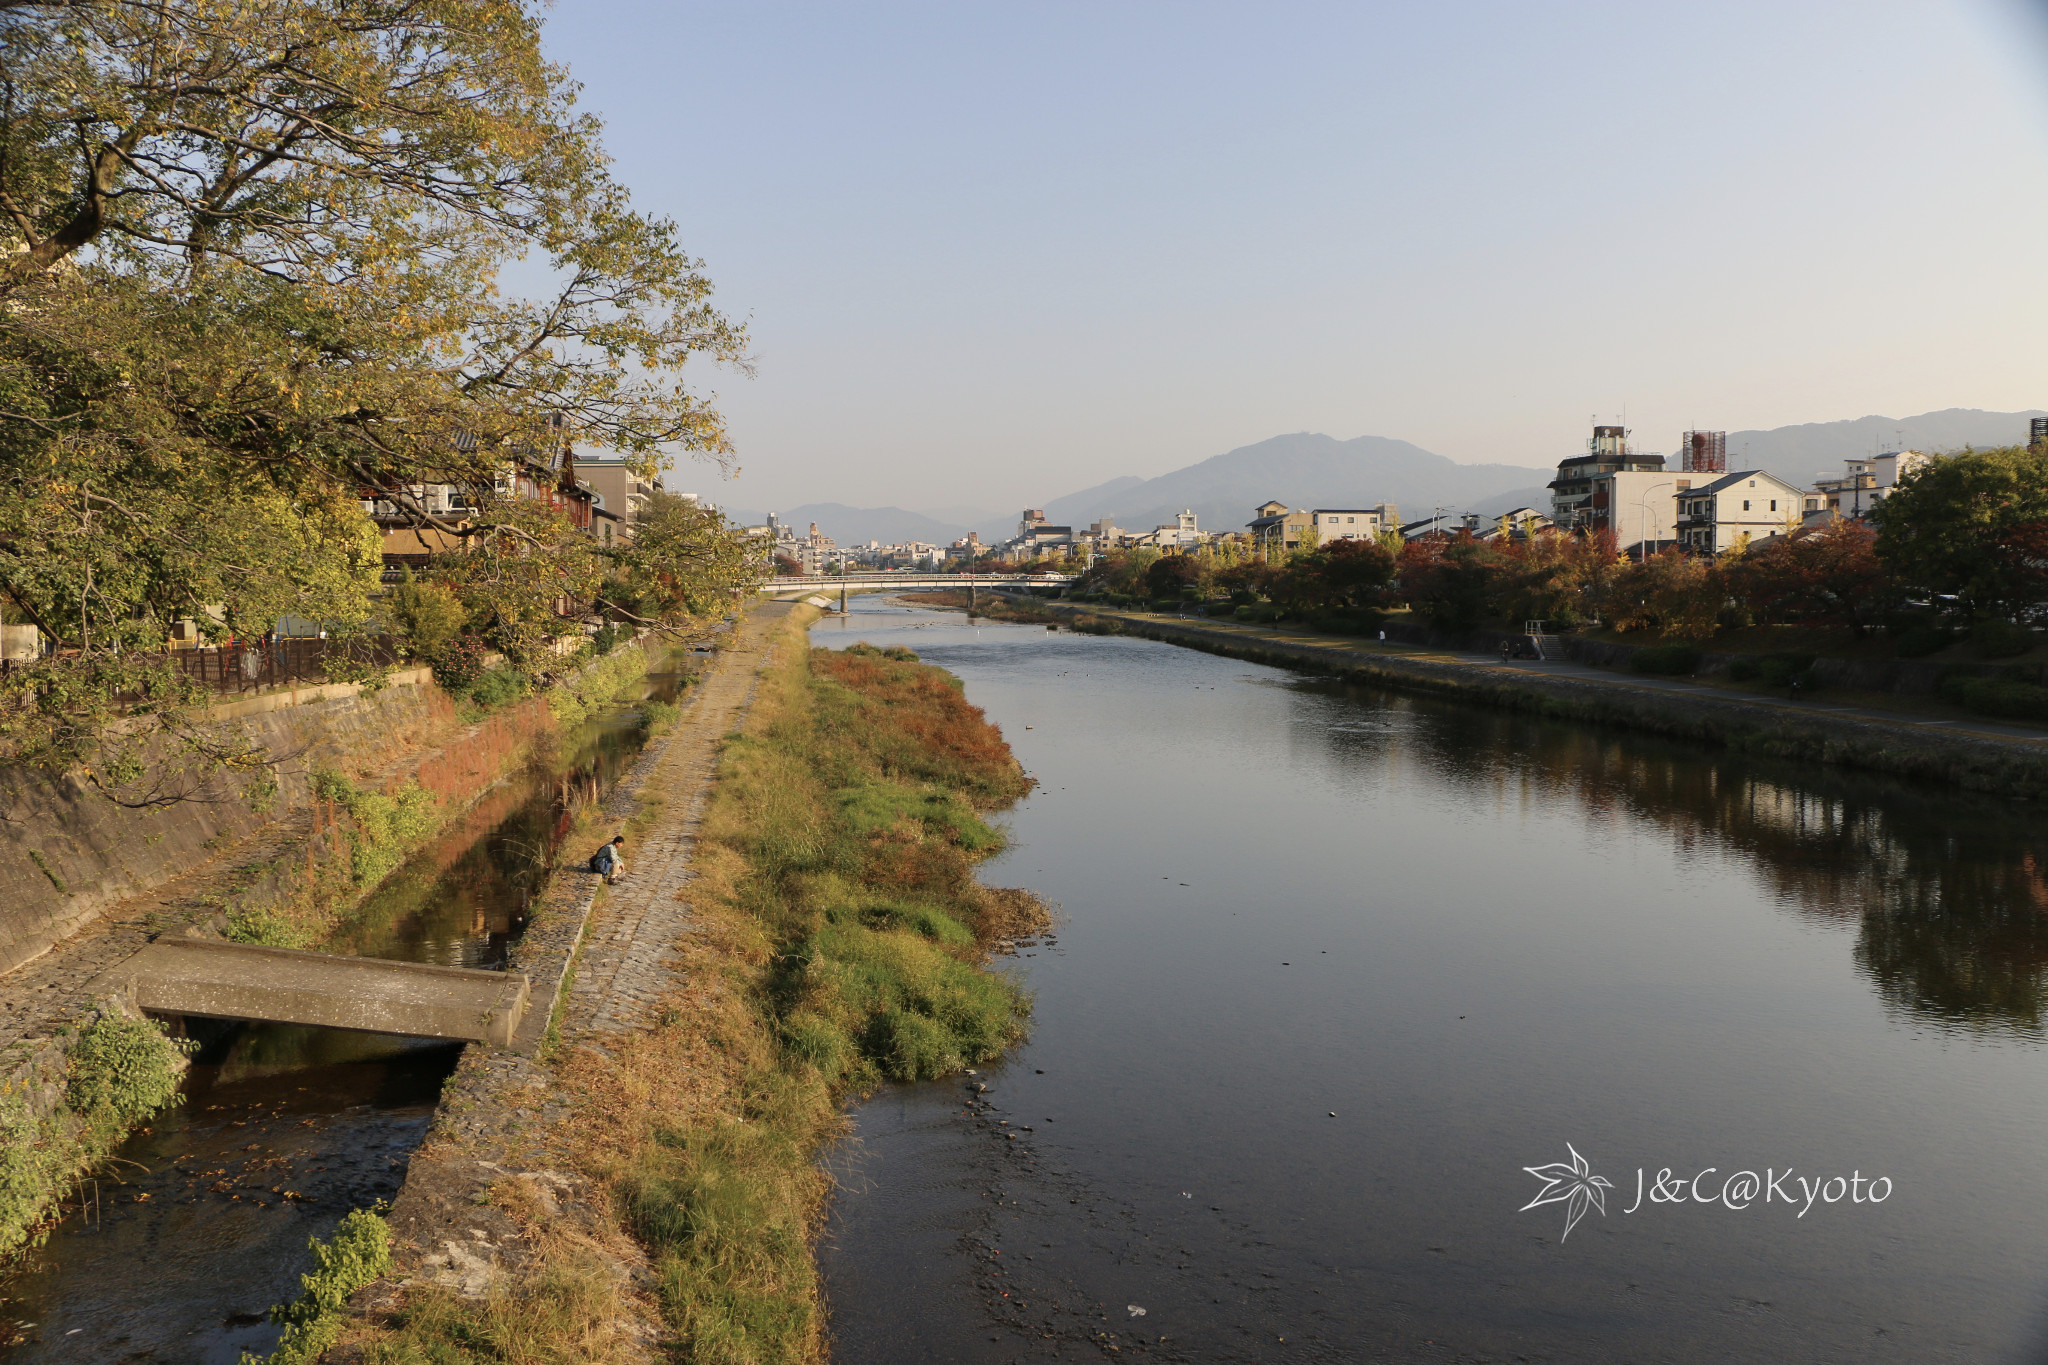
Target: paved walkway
(625, 968)
(1982, 727)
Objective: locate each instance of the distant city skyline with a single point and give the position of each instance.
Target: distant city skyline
(991, 255)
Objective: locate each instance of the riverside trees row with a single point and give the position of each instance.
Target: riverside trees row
(1962, 544)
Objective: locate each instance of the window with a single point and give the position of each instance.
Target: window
(1752, 483)
(1774, 504)
(1745, 504)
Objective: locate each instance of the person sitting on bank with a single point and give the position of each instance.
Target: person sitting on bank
(609, 861)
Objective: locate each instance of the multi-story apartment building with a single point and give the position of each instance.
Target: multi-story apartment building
(1353, 523)
(1585, 496)
(1737, 509)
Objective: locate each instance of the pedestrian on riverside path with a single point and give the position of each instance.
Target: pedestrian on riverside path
(609, 861)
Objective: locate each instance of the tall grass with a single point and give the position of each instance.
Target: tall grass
(839, 847)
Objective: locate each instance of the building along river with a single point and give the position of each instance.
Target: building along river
(1336, 966)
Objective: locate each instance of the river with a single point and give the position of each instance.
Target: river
(1336, 966)
(200, 1223)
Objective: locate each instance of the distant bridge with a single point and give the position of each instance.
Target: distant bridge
(865, 582)
(212, 978)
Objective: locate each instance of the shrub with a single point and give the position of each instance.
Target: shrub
(2009, 697)
(498, 686)
(607, 636)
(1745, 668)
(1666, 659)
(426, 614)
(122, 1071)
(1917, 642)
(358, 1253)
(1782, 670)
(460, 663)
(1993, 638)
(386, 827)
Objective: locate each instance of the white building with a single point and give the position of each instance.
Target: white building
(1353, 523)
(1735, 510)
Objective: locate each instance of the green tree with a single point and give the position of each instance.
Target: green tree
(251, 273)
(426, 614)
(1973, 524)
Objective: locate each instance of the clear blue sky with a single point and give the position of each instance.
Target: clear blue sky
(995, 253)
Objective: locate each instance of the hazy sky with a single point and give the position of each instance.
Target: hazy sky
(995, 253)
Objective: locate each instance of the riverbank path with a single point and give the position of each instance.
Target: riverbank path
(625, 967)
(1981, 726)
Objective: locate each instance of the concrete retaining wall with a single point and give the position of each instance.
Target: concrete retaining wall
(67, 854)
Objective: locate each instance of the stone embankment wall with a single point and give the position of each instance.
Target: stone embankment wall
(1901, 677)
(68, 854)
(2013, 768)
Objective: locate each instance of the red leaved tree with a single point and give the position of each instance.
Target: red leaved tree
(1822, 575)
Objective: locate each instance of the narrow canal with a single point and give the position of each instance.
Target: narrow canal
(1337, 966)
(201, 1222)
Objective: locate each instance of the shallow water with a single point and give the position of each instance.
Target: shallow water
(174, 1254)
(1337, 965)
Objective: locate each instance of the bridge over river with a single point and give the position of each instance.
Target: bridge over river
(891, 579)
(195, 974)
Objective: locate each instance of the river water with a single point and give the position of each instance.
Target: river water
(177, 1250)
(1337, 965)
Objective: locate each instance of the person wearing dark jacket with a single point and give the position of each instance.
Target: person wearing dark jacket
(609, 862)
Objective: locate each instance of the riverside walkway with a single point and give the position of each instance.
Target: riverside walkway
(603, 960)
(1562, 668)
(2006, 757)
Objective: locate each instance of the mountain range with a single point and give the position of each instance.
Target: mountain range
(1309, 469)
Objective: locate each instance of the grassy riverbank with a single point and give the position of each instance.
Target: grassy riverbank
(840, 910)
(986, 604)
(838, 939)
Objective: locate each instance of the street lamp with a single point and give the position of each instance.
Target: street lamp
(1644, 526)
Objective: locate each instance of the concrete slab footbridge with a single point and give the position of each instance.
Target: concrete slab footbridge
(889, 580)
(211, 978)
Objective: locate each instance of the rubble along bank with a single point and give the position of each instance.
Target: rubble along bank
(2006, 767)
(802, 927)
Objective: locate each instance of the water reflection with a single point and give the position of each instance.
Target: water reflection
(1946, 889)
(1339, 965)
(460, 902)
